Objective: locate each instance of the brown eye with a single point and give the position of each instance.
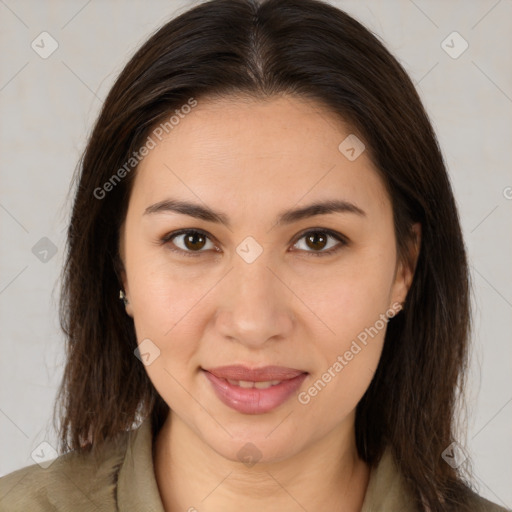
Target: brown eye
(189, 242)
(194, 241)
(317, 240)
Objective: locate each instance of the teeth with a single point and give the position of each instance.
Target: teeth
(250, 384)
(266, 384)
(244, 384)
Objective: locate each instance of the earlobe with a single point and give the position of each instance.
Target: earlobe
(129, 310)
(123, 292)
(407, 266)
(126, 301)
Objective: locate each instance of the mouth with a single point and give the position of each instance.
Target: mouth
(251, 384)
(254, 391)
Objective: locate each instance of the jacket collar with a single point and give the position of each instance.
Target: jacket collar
(137, 488)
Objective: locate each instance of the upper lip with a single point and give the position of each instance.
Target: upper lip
(265, 373)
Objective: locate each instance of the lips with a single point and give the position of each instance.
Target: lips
(254, 391)
(263, 374)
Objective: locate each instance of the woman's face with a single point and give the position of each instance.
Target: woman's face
(311, 293)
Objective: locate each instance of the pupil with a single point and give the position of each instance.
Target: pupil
(190, 240)
(315, 237)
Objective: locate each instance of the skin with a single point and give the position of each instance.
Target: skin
(251, 160)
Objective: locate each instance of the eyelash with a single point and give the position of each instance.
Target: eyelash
(337, 236)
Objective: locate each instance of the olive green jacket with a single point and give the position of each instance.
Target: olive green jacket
(122, 479)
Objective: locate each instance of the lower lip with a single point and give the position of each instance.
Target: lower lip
(253, 400)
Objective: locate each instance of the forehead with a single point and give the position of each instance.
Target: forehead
(250, 152)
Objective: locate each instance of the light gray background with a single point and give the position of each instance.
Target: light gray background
(47, 109)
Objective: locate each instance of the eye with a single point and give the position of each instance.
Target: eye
(190, 242)
(317, 239)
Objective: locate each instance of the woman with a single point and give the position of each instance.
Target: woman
(264, 191)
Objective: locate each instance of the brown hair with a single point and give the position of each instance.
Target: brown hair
(308, 49)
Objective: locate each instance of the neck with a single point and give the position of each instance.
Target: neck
(191, 476)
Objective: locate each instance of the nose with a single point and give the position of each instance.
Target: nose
(255, 305)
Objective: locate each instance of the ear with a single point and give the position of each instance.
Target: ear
(121, 273)
(406, 266)
(128, 306)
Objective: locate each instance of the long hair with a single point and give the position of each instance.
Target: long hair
(262, 48)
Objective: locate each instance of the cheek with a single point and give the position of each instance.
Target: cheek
(342, 383)
(353, 296)
(355, 306)
(167, 311)
(347, 359)
(163, 294)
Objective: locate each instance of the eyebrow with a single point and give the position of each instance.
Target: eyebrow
(285, 217)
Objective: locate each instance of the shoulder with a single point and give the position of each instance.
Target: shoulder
(388, 490)
(73, 481)
(480, 504)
